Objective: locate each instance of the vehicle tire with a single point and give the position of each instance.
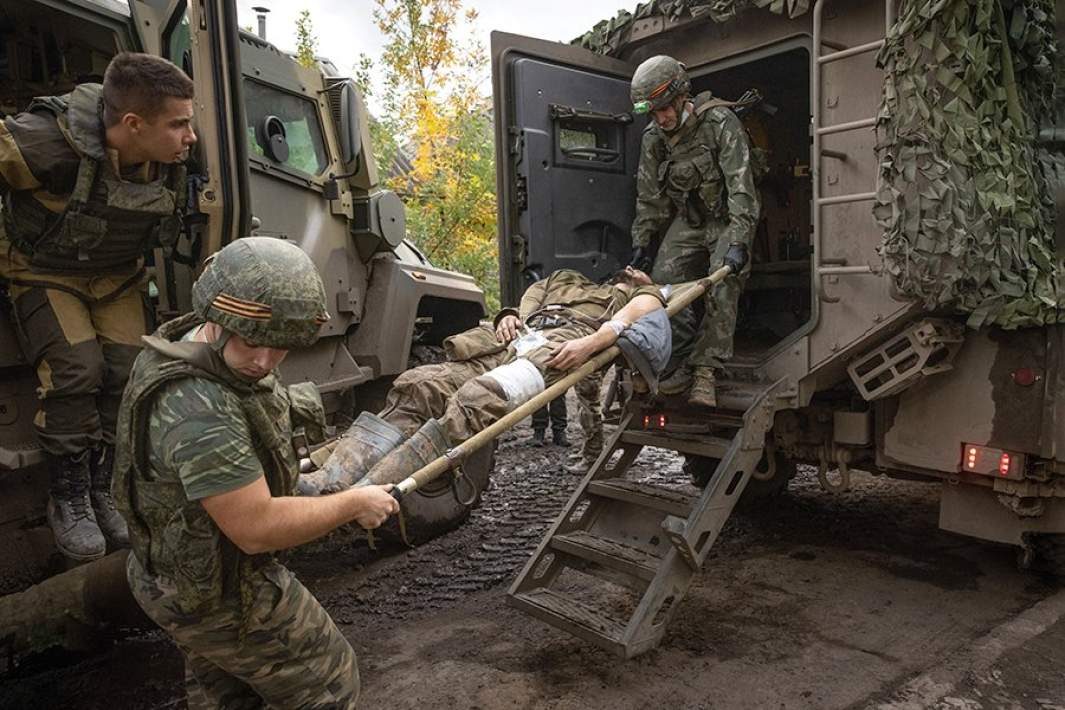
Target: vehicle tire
(701, 468)
(1049, 554)
(436, 508)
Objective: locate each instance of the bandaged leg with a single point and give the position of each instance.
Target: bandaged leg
(423, 446)
(484, 400)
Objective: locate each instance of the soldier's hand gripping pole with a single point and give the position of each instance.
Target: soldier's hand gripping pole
(677, 302)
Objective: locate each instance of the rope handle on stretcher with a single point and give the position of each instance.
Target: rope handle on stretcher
(678, 301)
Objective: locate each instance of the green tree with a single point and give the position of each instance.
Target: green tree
(433, 108)
(306, 40)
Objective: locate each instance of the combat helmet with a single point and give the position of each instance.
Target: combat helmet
(656, 82)
(265, 290)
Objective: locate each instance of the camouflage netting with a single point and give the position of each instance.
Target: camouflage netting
(608, 36)
(965, 191)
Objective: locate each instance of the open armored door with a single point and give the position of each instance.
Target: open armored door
(202, 38)
(567, 150)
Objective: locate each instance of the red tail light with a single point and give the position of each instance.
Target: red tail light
(992, 462)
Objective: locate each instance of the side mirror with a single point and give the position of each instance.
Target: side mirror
(270, 134)
(350, 126)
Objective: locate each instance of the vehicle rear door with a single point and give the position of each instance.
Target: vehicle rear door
(567, 149)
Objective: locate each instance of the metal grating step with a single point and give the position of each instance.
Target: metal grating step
(671, 502)
(574, 616)
(701, 445)
(609, 553)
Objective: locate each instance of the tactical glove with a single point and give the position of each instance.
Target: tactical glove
(641, 259)
(736, 257)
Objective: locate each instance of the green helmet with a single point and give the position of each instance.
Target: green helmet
(656, 82)
(265, 290)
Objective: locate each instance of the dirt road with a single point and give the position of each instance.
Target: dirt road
(814, 601)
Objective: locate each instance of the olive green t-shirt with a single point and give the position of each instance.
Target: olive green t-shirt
(199, 435)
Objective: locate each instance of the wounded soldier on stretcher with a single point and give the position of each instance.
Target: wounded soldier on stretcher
(563, 321)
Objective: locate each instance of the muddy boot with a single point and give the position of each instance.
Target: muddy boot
(702, 393)
(424, 445)
(558, 436)
(577, 464)
(70, 512)
(538, 438)
(678, 381)
(110, 521)
(365, 443)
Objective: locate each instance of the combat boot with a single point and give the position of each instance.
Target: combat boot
(678, 381)
(577, 464)
(702, 393)
(538, 438)
(423, 446)
(70, 512)
(559, 438)
(109, 520)
(366, 442)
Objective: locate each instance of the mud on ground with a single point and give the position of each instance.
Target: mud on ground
(813, 601)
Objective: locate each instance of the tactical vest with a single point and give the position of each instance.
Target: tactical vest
(170, 535)
(108, 222)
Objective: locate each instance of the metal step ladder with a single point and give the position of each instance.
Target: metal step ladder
(644, 540)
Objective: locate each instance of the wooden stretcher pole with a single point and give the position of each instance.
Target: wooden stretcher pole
(685, 295)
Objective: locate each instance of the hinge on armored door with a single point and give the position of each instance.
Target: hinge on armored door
(517, 250)
(521, 193)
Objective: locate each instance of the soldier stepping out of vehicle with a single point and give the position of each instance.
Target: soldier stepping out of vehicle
(695, 187)
(91, 181)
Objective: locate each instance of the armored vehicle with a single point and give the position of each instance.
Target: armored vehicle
(283, 151)
(903, 312)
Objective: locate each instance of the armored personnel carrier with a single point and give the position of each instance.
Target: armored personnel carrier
(903, 314)
(283, 151)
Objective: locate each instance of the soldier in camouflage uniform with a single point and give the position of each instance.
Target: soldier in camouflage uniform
(433, 407)
(696, 185)
(204, 476)
(91, 181)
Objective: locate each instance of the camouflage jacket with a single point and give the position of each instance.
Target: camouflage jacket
(170, 444)
(68, 204)
(570, 293)
(701, 172)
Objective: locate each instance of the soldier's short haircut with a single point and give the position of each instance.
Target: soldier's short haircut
(141, 84)
(621, 277)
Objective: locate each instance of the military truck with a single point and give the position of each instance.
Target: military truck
(902, 315)
(284, 151)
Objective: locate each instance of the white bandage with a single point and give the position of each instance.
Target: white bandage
(616, 325)
(520, 380)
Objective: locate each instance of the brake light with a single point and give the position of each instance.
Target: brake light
(655, 421)
(992, 462)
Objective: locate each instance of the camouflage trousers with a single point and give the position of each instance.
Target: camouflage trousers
(687, 254)
(287, 654)
(82, 334)
(457, 395)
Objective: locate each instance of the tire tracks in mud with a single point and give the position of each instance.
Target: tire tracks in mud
(528, 490)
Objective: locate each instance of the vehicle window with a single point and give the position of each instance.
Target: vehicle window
(178, 43)
(303, 133)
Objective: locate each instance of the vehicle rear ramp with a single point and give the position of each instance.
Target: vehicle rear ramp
(643, 537)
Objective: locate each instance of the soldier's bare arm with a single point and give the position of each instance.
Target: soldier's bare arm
(577, 352)
(734, 157)
(257, 522)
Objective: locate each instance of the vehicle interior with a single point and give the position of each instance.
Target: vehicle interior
(776, 301)
(44, 51)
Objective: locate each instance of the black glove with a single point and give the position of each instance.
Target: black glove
(641, 259)
(736, 257)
